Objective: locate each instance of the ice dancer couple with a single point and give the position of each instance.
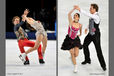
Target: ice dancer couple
(23, 41)
(72, 41)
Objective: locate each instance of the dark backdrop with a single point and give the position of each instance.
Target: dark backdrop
(43, 10)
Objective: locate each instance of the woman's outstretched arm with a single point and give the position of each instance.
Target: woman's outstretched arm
(24, 17)
(29, 20)
(70, 17)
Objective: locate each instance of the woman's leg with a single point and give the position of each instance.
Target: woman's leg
(72, 56)
(44, 42)
(37, 43)
(76, 51)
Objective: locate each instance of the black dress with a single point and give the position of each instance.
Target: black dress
(71, 43)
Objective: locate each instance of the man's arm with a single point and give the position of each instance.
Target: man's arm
(16, 27)
(20, 24)
(94, 16)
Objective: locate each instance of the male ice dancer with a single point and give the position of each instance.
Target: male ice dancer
(23, 38)
(93, 35)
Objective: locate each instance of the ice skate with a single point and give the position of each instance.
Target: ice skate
(22, 57)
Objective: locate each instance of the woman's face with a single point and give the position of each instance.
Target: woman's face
(16, 21)
(26, 12)
(76, 17)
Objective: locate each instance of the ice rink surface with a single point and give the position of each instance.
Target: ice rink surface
(15, 67)
(65, 66)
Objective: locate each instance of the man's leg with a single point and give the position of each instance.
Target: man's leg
(97, 44)
(29, 43)
(87, 41)
(21, 47)
(41, 60)
(40, 52)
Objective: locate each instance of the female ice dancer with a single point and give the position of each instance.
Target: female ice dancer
(72, 41)
(41, 36)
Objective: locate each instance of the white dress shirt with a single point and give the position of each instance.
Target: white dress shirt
(95, 16)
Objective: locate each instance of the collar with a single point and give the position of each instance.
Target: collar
(95, 13)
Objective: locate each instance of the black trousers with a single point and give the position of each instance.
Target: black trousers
(96, 40)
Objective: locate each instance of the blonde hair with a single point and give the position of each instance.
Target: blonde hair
(15, 18)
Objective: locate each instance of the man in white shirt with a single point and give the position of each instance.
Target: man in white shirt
(93, 35)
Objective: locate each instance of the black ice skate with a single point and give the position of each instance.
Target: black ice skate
(41, 61)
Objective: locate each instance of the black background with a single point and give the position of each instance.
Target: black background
(16, 8)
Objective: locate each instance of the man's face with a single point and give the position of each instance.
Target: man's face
(16, 21)
(92, 10)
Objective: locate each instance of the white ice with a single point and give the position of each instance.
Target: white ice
(15, 67)
(65, 66)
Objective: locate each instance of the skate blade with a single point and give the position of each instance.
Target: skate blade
(23, 60)
(75, 71)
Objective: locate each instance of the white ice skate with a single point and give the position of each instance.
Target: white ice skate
(75, 69)
(23, 57)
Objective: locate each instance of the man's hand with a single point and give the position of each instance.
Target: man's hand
(79, 35)
(86, 31)
(23, 17)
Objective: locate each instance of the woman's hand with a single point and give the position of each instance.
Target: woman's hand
(77, 7)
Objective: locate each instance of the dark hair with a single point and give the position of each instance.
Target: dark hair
(95, 6)
(15, 18)
(78, 14)
(27, 9)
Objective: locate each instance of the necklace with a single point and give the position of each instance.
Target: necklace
(75, 21)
